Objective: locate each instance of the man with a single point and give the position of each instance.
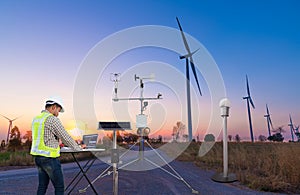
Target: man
(46, 132)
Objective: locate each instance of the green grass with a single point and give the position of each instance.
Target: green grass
(23, 158)
(18, 158)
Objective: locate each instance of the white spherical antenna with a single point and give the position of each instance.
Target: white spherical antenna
(225, 102)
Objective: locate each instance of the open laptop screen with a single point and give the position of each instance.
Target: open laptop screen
(90, 140)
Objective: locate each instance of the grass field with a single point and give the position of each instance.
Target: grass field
(23, 158)
(261, 166)
(18, 158)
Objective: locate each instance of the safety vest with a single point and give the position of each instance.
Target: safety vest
(38, 145)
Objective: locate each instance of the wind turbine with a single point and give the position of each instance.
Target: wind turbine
(249, 101)
(188, 58)
(291, 127)
(269, 122)
(9, 126)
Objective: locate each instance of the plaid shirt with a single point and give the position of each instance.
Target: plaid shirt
(55, 131)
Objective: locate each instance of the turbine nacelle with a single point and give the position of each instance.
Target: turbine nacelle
(188, 55)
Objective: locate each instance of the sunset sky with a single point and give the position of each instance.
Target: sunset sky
(45, 44)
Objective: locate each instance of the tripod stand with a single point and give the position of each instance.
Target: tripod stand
(174, 174)
(141, 157)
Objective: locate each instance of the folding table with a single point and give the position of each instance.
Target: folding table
(83, 169)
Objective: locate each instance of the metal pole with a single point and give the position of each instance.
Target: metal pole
(250, 121)
(8, 132)
(269, 131)
(142, 147)
(292, 132)
(225, 146)
(141, 94)
(188, 97)
(115, 170)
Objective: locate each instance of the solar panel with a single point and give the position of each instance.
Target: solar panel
(108, 126)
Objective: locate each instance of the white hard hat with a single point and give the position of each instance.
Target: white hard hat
(56, 100)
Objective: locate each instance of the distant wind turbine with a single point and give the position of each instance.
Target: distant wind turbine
(249, 101)
(291, 125)
(9, 126)
(188, 58)
(269, 122)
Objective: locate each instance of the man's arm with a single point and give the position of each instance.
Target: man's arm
(63, 135)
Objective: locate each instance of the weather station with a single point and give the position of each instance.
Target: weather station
(142, 131)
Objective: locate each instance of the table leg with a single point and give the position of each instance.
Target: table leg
(77, 175)
(84, 174)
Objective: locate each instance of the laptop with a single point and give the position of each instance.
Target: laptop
(90, 140)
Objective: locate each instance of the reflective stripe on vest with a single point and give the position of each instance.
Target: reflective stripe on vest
(38, 145)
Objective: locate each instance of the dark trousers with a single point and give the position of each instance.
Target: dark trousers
(49, 169)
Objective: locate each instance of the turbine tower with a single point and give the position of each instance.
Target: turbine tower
(9, 126)
(292, 128)
(249, 101)
(269, 122)
(189, 60)
(296, 131)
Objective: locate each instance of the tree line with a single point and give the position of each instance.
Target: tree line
(15, 141)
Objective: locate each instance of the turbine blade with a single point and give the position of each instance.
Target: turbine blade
(194, 52)
(5, 117)
(16, 118)
(248, 90)
(291, 120)
(271, 122)
(195, 74)
(267, 109)
(251, 102)
(296, 129)
(183, 37)
(269, 117)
